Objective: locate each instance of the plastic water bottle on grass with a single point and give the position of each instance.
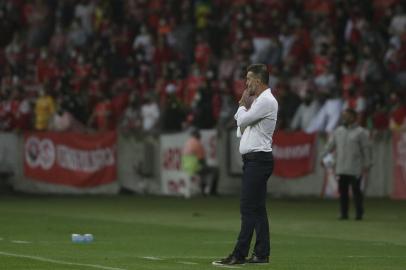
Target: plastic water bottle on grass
(77, 238)
(88, 238)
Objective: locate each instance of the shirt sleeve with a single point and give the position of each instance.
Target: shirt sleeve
(258, 110)
(239, 133)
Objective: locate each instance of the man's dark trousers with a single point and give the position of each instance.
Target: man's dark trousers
(343, 185)
(257, 168)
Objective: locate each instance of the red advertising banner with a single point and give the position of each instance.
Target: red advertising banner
(294, 153)
(399, 165)
(71, 159)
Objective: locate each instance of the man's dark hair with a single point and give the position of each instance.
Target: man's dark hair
(260, 71)
(352, 112)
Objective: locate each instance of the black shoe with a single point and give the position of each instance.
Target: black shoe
(259, 260)
(230, 260)
(343, 218)
(359, 215)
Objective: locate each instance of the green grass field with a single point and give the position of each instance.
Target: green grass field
(135, 232)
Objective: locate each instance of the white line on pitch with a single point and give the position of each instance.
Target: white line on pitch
(20, 242)
(43, 259)
(188, 257)
(151, 258)
(188, 263)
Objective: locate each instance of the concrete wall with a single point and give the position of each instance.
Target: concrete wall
(139, 169)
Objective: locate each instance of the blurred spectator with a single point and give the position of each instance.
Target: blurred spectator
(20, 110)
(369, 68)
(102, 116)
(143, 43)
(194, 163)
(62, 120)
(84, 11)
(328, 116)
(150, 114)
(325, 80)
(302, 84)
(44, 109)
(228, 106)
(289, 101)
(77, 35)
(38, 16)
(305, 113)
(398, 23)
(132, 119)
(227, 66)
(356, 102)
(380, 118)
(397, 120)
(173, 114)
(202, 53)
(202, 108)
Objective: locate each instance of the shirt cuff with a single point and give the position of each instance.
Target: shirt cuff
(239, 132)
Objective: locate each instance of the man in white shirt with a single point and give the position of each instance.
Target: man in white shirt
(150, 114)
(327, 118)
(256, 125)
(305, 113)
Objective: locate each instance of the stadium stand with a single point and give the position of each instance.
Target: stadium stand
(95, 64)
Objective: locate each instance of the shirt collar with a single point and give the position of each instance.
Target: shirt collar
(264, 91)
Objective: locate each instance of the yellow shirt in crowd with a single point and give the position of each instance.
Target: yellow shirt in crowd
(44, 109)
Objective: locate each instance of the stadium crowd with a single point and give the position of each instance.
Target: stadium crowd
(151, 65)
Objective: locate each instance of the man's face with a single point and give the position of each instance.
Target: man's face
(348, 118)
(251, 83)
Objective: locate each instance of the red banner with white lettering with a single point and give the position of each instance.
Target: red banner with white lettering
(294, 153)
(399, 165)
(71, 159)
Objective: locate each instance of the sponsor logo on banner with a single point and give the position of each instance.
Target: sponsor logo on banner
(399, 158)
(70, 158)
(40, 153)
(292, 152)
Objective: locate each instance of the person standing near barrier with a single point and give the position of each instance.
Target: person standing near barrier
(353, 159)
(256, 124)
(194, 163)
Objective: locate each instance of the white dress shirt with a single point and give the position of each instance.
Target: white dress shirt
(257, 124)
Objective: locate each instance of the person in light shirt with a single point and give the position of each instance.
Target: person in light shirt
(256, 125)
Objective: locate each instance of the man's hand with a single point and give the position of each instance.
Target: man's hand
(246, 100)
